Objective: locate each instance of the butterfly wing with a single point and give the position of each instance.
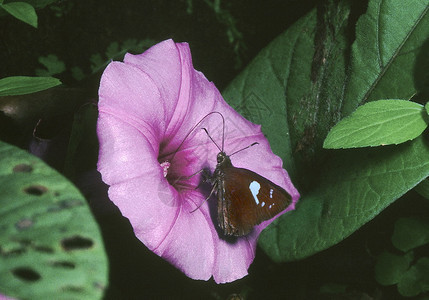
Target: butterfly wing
(246, 199)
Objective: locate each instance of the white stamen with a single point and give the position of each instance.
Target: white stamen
(165, 165)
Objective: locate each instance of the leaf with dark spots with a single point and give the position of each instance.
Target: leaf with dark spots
(65, 204)
(26, 274)
(35, 190)
(64, 264)
(42, 252)
(72, 289)
(12, 252)
(24, 224)
(22, 168)
(44, 249)
(76, 243)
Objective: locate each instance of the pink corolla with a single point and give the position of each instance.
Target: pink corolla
(148, 105)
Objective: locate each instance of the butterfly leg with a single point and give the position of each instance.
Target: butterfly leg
(211, 193)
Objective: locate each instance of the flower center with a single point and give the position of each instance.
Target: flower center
(165, 166)
(182, 174)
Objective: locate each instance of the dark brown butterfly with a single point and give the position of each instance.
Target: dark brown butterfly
(245, 199)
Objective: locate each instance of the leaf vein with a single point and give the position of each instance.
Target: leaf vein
(394, 55)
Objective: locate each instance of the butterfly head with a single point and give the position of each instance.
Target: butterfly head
(223, 159)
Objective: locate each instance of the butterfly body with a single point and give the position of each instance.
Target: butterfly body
(245, 198)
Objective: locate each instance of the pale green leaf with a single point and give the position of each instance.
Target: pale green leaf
(22, 11)
(20, 85)
(50, 244)
(376, 123)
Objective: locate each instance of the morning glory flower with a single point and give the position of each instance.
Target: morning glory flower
(150, 155)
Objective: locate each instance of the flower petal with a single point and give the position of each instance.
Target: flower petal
(166, 66)
(149, 107)
(131, 96)
(191, 241)
(231, 266)
(128, 164)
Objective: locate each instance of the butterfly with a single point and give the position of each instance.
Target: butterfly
(244, 198)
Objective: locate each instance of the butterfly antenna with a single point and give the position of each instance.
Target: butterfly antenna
(223, 132)
(193, 128)
(255, 143)
(213, 140)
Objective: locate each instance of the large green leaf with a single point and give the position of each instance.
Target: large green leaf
(50, 245)
(346, 198)
(389, 39)
(291, 87)
(307, 80)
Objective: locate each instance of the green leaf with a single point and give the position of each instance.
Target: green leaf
(410, 233)
(346, 198)
(77, 73)
(37, 4)
(303, 83)
(138, 45)
(116, 52)
(20, 85)
(97, 62)
(22, 11)
(51, 247)
(112, 50)
(52, 64)
(423, 188)
(389, 267)
(260, 93)
(378, 123)
(389, 39)
(333, 289)
(427, 107)
(416, 280)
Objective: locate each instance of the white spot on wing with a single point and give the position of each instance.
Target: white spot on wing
(254, 187)
(271, 193)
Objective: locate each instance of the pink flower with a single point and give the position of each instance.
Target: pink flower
(148, 104)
